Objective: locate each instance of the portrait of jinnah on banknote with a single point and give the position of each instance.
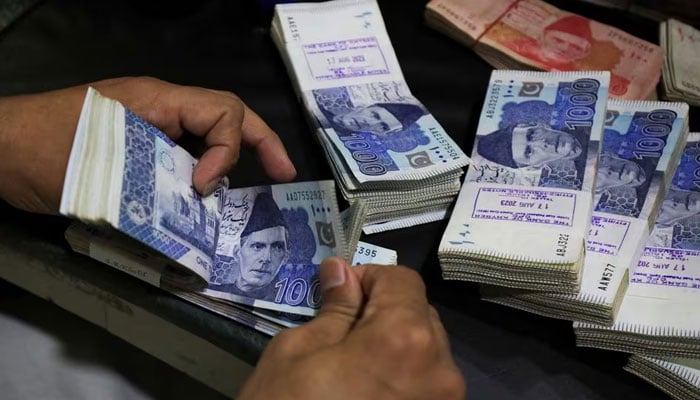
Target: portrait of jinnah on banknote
(263, 249)
(622, 177)
(678, 223)
(381, 109)
(536, 146)
(567, 43)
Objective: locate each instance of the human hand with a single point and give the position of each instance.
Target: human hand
(36, 135)
(375, 337)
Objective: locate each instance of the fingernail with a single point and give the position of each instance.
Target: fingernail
(332, 273)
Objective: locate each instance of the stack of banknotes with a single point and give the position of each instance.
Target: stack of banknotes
(382, 144)
(659, 314)
(258, 247)
(120, 252)
(531, 34)
(523, 212)
(642, 143)
(681, 78)
(678, 377)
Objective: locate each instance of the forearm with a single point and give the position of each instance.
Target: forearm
(36, 133)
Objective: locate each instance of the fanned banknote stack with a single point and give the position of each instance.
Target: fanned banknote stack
(678, 377)
(382, 144)
(531, 34)
(258, 246)
(659, 314)
(119, 252)
(641, 145)
(523, 212)
(681, 78)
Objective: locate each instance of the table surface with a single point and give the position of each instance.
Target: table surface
(503, 353)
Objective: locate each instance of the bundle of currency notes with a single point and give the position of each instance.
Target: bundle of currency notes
(118, 251)
(659, 316)
(383, 145)
(677, 377)
(641, 146)
(531, 34)
(681, 45)
(259, 246)
(523, 212)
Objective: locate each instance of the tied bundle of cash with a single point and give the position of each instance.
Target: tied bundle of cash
(260, 246)
(659, 316)
(382, 144)
(120, 252)
(523, 212)
(677, 377)
(681, 78)
(531, 34)
(641, 145)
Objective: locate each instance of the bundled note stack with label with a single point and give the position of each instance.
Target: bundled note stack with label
(641, 146)
(659, 315)
(525, 206)
(381, 142)
(681, 78)
(678, 377)
(259, 246)
(531, 34)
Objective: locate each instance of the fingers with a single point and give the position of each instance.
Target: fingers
(224, 125)
(269, 147)
(220, 117)
(342, 302)
(387, 287)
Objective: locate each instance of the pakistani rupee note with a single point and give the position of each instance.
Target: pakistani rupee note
(533, 167)
(534, 34)
(640, 148)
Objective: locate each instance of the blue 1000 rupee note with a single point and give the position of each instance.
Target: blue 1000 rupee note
(671, 257)
(126, 173)
(533, 167)
(158, 204)
(383, 132)
(641, 145)
(634, 142)
(272, 240)
(661, 300)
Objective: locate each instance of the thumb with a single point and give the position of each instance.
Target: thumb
(342, 302)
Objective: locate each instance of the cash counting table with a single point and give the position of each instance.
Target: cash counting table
(503, 353)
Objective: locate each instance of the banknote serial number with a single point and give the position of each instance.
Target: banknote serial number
(492, 101)
(562, 243)
(606, 277)
(306, 195)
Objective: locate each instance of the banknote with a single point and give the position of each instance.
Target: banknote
(636, 134)
(124, 171)
(640, 149)
(533, 166)
(677, 223)
(350, 81)
(658, 315)
(383, 132)
(681, 43)
(368, 253)
(272, 240)
(534, 34)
